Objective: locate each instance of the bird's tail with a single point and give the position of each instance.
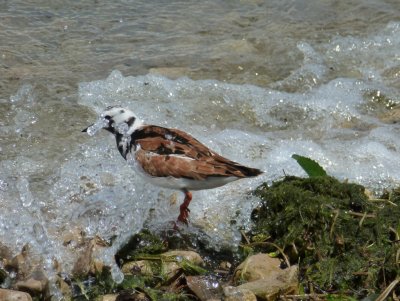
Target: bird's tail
(242, 171)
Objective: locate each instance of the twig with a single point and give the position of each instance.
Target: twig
(395, 233)
(387, 290)
(363, 215)
(245, 237)
(362, 219)
(312, 296)
(333, 224)
(383, 201)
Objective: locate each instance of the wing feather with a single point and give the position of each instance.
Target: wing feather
(166, 152)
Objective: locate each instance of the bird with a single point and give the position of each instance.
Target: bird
(169, 157)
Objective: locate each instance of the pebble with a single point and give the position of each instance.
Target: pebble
(11, 295)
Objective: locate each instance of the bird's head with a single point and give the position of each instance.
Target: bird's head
(116, 120)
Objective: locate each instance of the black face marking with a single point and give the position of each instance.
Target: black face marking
(118, 138)
(131, 121)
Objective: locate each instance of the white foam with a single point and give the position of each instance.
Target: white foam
(25, 194)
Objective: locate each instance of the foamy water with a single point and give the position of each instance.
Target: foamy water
(256, 82)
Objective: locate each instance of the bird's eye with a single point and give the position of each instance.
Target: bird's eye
(108, 117)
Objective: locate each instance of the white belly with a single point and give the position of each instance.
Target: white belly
(183, 183)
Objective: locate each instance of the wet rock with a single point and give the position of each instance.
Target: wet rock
(5, 252)
(225, 265)
(256, 267)
(11, 295)
(32, 285)
(21, 263)
(171, 261)
(87, 186)
(270, 289)
(392, 116)
(85, 262)
(204, 287)
(30, 276)
(73, 238)
(191, 256)
(65, 288)
(264, 277)
(232, 293)
(35, 284)
(109, 297)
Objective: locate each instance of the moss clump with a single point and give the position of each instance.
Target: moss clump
(344, 242)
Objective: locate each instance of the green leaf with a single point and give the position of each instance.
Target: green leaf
(312, 168)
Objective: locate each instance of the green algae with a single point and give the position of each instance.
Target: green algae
(343, 241)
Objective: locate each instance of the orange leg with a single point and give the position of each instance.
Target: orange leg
(184, 214)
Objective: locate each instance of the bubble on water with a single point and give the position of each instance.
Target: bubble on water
(25, 194)
(3, 185)
(40, 234)
(24, 93)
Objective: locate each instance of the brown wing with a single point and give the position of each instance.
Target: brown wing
(170, 152)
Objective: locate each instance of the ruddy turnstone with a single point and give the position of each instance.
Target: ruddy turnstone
(169, 158)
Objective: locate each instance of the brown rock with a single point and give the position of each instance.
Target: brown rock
(85, 262)
(238, 294)
(109, 297)
(191, 256)
(392, 116)
(74, 237)
(170, 267)
(5, 252)
(31, 285)
(270, 289)
(21, 263)
(256, 267)
(203, 287)
(11, 295)
(265, 278)
(35, 284)
(65, 289)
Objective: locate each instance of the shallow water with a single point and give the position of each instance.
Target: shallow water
(255, 81)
